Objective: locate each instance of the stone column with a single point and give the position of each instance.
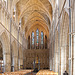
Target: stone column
(73, 23)
(20, 57)
(56, 52)
(7, 62)
(21, 63)
(62, 60)
(56, 61)
(15, 62)
(52, 54)
(56, 55)
(64, 53)
(74, 55)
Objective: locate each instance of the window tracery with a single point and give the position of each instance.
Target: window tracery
(37, 40)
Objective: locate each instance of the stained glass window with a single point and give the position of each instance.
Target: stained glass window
(32, 38)
(37, 37)
(41, 37)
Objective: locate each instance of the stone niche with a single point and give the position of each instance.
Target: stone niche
(30, 55)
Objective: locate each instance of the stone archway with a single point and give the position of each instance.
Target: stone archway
(6, 52)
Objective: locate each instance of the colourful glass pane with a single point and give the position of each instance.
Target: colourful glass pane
(41, 37)
(32, 38)
(37, 36)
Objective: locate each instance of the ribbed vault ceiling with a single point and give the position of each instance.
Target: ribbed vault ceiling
(34, 12)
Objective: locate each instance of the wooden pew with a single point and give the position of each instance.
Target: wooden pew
(23, 72)
(46, 72)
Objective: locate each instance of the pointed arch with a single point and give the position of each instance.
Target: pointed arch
(6, 51)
